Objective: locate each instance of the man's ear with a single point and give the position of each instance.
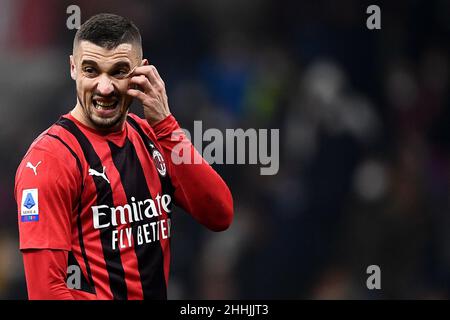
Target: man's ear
(145, 62)
(73, 68)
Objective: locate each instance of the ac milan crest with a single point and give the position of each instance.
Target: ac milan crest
(159, 162)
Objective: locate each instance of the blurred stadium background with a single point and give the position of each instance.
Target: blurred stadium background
(363, 118)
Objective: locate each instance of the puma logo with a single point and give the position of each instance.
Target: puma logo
(34, 168)
(93, 172)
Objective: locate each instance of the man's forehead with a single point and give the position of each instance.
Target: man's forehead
(89, 50)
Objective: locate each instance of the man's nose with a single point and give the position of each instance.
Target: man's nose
(105, 86)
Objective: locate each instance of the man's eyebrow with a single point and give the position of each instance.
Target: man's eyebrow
(89, 62)
(117, 65)
(121, 64)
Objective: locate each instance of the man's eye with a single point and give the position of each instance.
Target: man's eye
(90, 71)
(122, 73)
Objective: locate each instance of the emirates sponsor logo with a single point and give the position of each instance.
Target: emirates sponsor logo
(137, 234)
(104, 216)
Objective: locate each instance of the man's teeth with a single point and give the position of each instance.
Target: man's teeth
(104, 104)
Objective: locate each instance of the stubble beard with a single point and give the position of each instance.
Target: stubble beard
(105, 124)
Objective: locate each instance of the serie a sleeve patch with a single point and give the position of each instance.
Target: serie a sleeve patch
(29, 211)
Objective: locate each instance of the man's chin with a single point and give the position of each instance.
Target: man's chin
(105, 123)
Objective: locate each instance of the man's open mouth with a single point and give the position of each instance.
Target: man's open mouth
(105, 105)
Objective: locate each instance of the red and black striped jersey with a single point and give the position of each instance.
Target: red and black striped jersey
(107, 200)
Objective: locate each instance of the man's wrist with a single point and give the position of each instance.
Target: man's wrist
(153, 123)
(165, 127)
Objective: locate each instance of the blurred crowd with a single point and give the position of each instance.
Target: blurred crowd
(364, 141)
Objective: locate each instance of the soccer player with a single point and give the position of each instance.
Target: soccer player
(95, 190)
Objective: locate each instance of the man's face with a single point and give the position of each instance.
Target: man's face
(102, 82)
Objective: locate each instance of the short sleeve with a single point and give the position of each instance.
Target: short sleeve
(46, 191)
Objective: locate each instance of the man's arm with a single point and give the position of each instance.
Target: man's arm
(46, 188)
(198, 188)
(45, 272)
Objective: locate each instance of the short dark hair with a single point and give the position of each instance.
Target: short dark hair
(108, 31)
